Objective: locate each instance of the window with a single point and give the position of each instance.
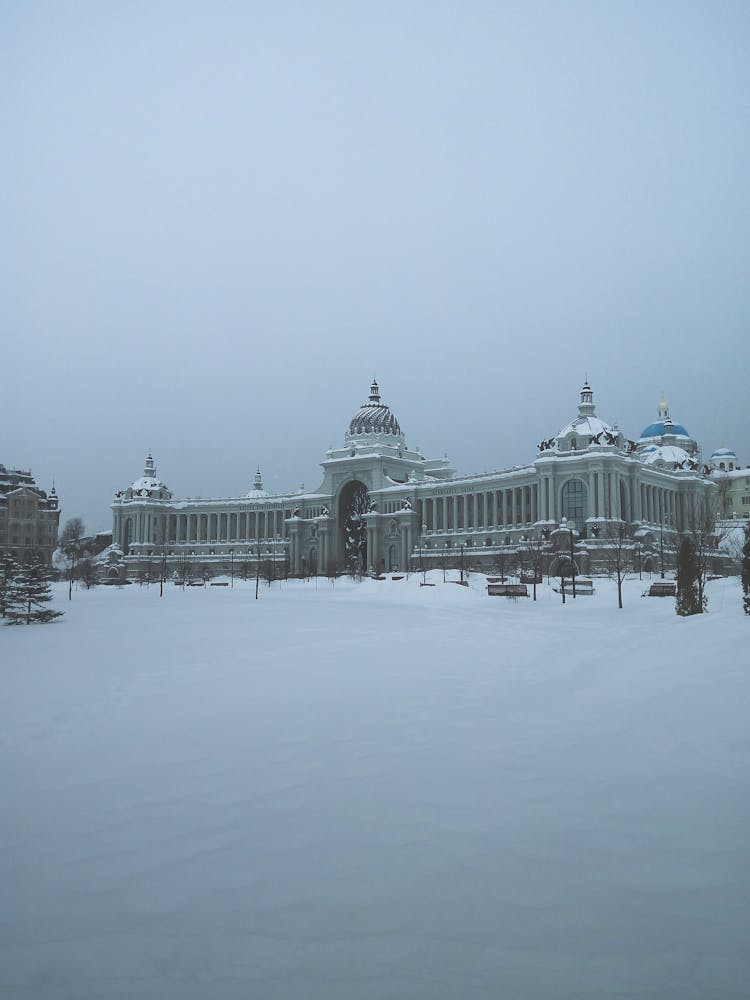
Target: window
(574, 503)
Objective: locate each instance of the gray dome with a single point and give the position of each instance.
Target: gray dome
(374, 417)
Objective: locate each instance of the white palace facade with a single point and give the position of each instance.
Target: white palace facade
(384, 507)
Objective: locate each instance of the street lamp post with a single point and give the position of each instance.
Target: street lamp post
(661, 536)
(572, 563)
(231, 561)
(73, 550)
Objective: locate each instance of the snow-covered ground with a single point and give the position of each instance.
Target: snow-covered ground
(375, 792)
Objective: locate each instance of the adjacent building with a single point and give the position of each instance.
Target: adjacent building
(29, 517)
(732, 484)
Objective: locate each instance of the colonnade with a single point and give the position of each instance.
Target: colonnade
(662, 506)
(485, 510)
(139, 526)
(608, 495)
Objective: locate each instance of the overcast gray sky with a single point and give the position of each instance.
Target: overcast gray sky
(220, 220)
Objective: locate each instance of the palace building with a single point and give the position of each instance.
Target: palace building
(384, 507)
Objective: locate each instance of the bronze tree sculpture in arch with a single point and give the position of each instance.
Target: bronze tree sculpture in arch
(354, 505)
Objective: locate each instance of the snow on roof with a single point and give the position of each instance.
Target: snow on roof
(147, 483)
(667, 454)
(587, 426)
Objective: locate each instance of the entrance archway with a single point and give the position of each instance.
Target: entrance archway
(354, 504)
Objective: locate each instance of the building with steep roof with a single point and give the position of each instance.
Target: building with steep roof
(383, 506)
(29, 517)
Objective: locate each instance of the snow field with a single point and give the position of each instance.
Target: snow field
(375, 790)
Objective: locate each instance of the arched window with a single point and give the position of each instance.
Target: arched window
(573, 444)
(575, 503)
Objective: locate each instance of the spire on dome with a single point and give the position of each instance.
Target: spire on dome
(663, 407)
(586, 407)
(374, 392)
(149, 471)
(258, 481)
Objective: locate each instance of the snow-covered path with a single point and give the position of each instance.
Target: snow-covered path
(375, 791)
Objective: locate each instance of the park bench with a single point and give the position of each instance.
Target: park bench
(584, 588)
(661, 589)
(219, 584)
(507, 590)
(496, 579)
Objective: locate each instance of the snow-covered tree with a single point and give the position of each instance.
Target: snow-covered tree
(31, 593)
(690, 600)
(9, 570)
(746, 570)
(87, 573)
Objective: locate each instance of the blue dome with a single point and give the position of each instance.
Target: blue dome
(660, 427)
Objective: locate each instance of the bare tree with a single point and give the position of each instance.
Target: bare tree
(723, 494)
(619, 564)
(184, 571)
(71, 534)
(533, 559)
(501, 564)
(705, 535)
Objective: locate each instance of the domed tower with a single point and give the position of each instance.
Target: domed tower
(149, 485)
(587, 429)
(665, 433)
(257, 492)
(724, 459)
(374, 422)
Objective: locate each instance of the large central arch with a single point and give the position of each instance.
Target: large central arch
(354, 504)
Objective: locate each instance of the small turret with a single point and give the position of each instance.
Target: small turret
(258, 481)
(149, 471)
(586, 407)
(374, 392)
